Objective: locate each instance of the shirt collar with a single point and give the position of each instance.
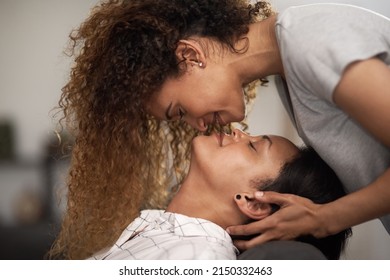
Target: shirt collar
(188, 226)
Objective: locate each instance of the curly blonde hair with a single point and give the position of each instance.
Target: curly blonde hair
(123, 160)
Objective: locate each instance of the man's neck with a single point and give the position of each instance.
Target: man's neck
(199, 202)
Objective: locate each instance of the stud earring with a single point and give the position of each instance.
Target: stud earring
(200, 64)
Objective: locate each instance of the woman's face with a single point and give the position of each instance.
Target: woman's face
(199, 96)
(234, 161)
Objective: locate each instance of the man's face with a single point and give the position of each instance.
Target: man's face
(231, 162)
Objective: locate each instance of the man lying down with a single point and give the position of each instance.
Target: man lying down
(218, 191)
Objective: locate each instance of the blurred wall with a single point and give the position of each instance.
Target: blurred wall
(33, 35)
(33, 68)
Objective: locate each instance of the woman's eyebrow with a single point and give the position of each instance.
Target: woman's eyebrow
(168, 112)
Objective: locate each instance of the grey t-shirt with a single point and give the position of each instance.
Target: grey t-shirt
(317, 42)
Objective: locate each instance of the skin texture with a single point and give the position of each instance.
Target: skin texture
(209, 80)
(298, 215)
(222, 168)
(217, 85)
(226, 170)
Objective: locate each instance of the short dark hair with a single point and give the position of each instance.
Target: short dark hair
(308, 175)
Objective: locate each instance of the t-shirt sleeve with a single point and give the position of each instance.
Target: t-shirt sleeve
(321, 43)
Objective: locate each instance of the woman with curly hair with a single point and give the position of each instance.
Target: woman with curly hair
(123, 159)
(141, 62)
(332, 71)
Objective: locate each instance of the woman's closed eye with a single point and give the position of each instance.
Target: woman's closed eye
(181, 113)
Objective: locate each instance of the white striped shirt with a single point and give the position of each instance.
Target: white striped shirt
(157, 234)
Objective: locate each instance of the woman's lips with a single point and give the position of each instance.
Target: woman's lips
(219, 138)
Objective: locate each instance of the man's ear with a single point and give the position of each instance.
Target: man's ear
(252, 208)
(191, 52)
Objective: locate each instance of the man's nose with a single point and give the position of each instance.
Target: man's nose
(241, 135)
(238, 134)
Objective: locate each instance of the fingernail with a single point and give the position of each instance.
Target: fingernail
(228, 231)
(259, 194)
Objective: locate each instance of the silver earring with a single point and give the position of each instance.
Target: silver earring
(200, 64)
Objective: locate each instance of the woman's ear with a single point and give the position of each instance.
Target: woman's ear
(252, 208)
(191, 52)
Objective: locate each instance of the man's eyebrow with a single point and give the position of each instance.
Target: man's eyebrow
(167, 112)
(267, 138)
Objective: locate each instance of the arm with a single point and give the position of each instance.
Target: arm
(299, 216)
(364, 94)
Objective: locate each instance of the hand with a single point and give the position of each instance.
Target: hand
(297, 216)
